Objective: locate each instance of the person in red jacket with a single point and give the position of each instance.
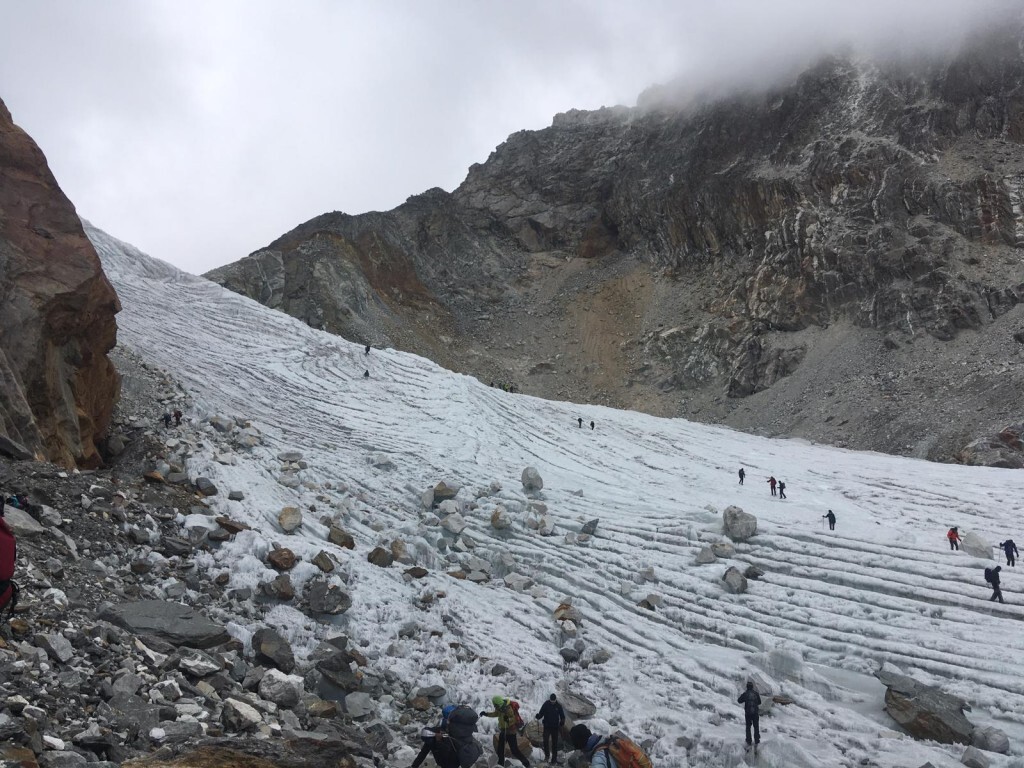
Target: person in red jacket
(8, 554)
(772, 482)
(954, 538)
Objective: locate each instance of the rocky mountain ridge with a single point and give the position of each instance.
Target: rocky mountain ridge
(57, 386)
(813, 260)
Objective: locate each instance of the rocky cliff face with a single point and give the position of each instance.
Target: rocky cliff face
(57, 387)
(837, 258)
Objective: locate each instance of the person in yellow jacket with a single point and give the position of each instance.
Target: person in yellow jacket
(509, 723)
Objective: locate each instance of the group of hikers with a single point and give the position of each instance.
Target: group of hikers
(991, 574)
(168, 415)
(776, 486)
(452, 745)
(580, 421)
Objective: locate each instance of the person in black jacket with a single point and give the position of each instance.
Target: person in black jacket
(437, 743)
(552, 717)
(1011, 552)
(751, 701)
(831, 517)
(993, 580)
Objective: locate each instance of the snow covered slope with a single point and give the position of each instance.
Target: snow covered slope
(831, 608)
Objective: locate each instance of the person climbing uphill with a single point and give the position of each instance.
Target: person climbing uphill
(782, 490)
(743, 474)
(1010, 550)
(992, 577)
(772, 482)
(954, 538)
(552, 717)
(509, 723)
(831, 517)
(751, 701)
(611, 752)
(451, 741)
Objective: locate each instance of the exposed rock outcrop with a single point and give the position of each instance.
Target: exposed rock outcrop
(57, 386)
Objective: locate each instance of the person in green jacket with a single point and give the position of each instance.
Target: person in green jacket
(509, 723)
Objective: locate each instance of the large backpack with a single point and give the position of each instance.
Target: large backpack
(515, 711)
(625, 752)
(462, 723)
(988, 575)
(8, 554)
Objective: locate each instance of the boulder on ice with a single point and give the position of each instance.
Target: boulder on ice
(975, 546)
(739, 525)
(925, 711)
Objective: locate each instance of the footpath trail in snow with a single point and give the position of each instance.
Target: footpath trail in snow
(883, 587)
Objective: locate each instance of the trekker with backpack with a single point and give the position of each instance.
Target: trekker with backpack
(8, 555)
(992, 577)
(743, 474)
(831, 517)
(954, 538)
(615, 751)
(552, 717)
(451, 742)
(509, 723)
(782, 490)
(772, 481)
(751, 701)
(1010, 550)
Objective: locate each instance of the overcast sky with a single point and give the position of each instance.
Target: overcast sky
(200, 131)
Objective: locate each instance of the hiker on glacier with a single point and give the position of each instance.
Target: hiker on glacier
(552, 717)
(509, 723)
(831, 517)
(751, 701)
(954, 538)
(772, 482)
(743, 474)
(992, 577)
(1010, 550)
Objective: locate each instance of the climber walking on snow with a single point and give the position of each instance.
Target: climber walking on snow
(1010, 550)
(831, 517)
(743, 474)
(751, 701)
(772, 482)
(509, 723)
(954, 538)
(992, 577)
(552, 716)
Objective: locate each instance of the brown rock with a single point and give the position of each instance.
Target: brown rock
(280, 587)
(222, 579)
(380, 557)
(231, 526)
(57, 323)
(154, 477)
(341, 537)
(417, 572)
(321, 708)
(282, 559)
(420, 703)
(323, 562)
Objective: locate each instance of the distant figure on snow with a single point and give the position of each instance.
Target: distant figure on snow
(580, 420)
(367, 350)
(366, 374)
(1010, 549)
(177, 417)
(992, 577)
(954, 538)
(782, 490)
(553, 718)
(743, 474)
(167, 419)
(771, 482)
(751, 701)
(831, 517)
(591, 425)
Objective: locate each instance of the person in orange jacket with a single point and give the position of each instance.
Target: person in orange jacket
(954, 538)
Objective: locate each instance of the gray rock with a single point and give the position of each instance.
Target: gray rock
(753, 573)
(723, 549)
(290, 457)
(326, 598)
(359, 705)
(290, 519)
(431, 691)
(176, 623)
(236, 496)
(569, 655)
(500, 519)
(206, 486)
(925, 712)
(739, 526)
(454, 523)
(198, 664)
(128, 684)
(61, 759)
(380, 557)
(221, 424)
(56, 646)
(270, 648)
(975, 758)
(990, 739)
(590, 527)
(705, 556)
(239, 716)
(975, 546)
(284, 690)
(445, 490)
(49, 516)
(532, 480)
(21, 522)
(735, 581)
(579, 707)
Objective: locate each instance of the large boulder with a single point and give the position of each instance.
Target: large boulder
(739, 526)
(176, 623)
(735, 581)
(532, 480)
(975, 546)
(924, 711)
(990, 739)
(270, 648)
(57, 386)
